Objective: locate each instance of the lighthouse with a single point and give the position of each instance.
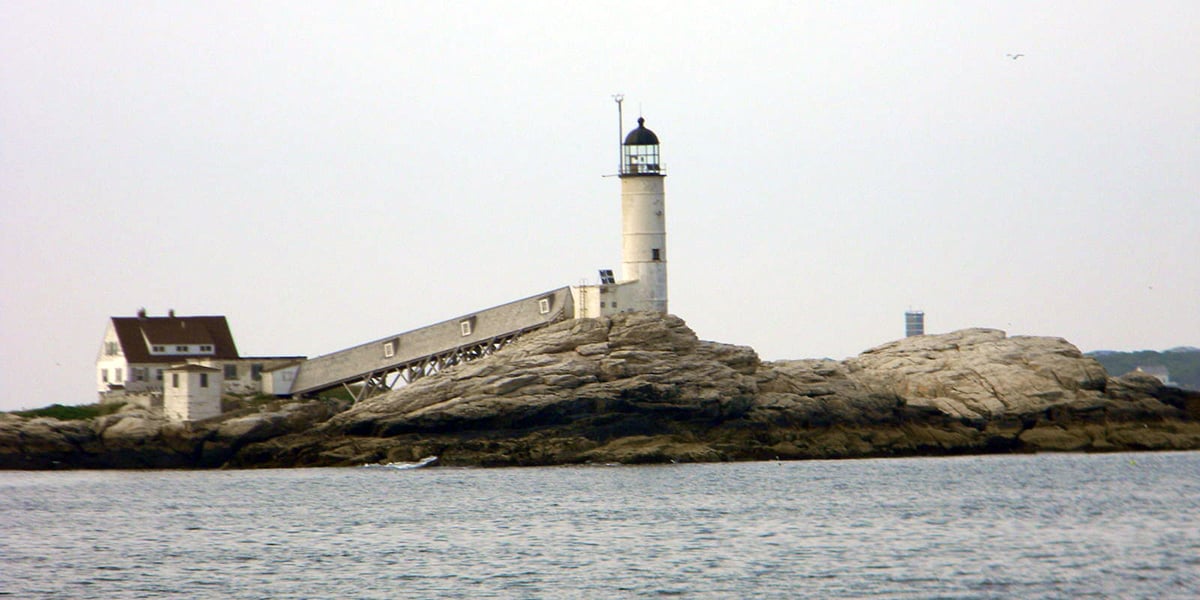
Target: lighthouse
(642, 285)
(643, 221)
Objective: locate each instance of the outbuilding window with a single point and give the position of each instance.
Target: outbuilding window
(655, 254)
(204, 380)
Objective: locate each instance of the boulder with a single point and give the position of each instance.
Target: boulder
(980, 374)
(41, 443)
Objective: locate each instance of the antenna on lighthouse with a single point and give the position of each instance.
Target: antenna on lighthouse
(620, 129)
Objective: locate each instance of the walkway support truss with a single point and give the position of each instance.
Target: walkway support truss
(378, 382)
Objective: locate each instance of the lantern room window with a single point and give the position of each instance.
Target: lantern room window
(639, 159)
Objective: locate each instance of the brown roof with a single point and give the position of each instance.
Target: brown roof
(137, 334)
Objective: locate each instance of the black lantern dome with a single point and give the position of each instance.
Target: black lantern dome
(641, 136)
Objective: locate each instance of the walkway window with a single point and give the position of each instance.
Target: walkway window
(465, 327)
(544, 306)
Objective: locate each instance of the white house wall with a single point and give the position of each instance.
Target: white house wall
(245, 382)
(108, 365)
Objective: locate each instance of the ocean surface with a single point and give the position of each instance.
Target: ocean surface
(1032, 526)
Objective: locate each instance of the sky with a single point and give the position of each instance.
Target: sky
(330, 173)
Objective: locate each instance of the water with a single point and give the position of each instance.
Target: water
(1044, 526)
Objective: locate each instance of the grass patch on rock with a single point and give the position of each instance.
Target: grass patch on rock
(71, 413)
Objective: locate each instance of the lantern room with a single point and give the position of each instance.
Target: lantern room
(639, 153)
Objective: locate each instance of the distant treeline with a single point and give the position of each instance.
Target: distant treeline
(1183, 365)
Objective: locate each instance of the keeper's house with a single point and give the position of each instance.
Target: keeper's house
(138, 351)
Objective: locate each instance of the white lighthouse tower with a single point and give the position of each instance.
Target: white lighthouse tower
(643, 221)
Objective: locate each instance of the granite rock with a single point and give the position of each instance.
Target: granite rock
(641, 387)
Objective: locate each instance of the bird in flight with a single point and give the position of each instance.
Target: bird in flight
(1014, 56)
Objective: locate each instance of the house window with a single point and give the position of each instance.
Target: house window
(231, 372)
(204, 380)
(465, 327)
(256, 372)
(174, 379)
(110, 348)
(181, 348)
(206, 348)
(139, 374)
(158, 374)
(120, 378)
(544, 306)
(104, 375)
(389, 349)
(655, 254)
(158, 348)
(601, 304)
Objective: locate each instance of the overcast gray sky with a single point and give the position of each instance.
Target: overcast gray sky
(326, 174)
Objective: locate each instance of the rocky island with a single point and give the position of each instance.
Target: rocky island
(642, 388)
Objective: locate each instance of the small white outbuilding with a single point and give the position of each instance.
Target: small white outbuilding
(192, 392)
